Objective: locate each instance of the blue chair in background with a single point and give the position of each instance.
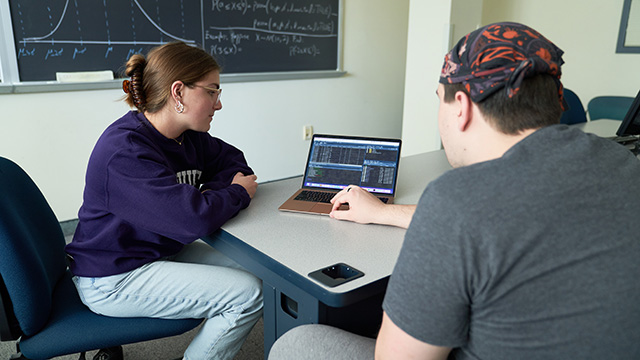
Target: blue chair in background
(39, 304)
(575, 113)
(609, 107)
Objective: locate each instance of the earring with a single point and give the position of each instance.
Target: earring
(179, 107)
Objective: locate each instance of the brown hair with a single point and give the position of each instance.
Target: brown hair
(535, 105)
(151, 77)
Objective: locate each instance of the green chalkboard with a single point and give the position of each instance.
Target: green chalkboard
(257, 36)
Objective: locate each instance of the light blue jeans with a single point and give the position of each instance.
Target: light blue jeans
(199, 282)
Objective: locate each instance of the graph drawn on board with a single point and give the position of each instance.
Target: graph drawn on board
(245, 36)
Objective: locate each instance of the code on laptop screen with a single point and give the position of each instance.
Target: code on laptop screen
(335, 163)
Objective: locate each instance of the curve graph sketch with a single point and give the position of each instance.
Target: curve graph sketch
(245, 36)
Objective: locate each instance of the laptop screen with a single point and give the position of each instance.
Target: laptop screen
(631, 123)
(338, 161)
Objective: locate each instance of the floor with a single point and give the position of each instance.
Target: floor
(167, 348)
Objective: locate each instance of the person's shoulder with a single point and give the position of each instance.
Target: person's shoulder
(132, 121)
(451, 188)
(465, 191)
(127, 133)
(466, 178)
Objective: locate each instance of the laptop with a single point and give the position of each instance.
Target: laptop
(335, 162)
(630, 127)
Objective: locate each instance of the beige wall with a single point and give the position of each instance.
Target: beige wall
(428, 40)
(587, 31)
(466, 16)
(433, 28)
(51, 134)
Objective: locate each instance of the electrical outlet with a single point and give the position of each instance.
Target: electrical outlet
(307, 132)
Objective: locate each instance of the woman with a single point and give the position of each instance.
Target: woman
(156, 182)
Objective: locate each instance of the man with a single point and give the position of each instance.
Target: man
(528, 248)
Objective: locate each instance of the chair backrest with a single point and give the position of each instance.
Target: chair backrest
(32, 257)
(575, 113)
(609, 107)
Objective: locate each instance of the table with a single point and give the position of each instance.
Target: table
(282, 248)
(602, 127)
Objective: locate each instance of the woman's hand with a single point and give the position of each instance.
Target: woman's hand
(248, 182)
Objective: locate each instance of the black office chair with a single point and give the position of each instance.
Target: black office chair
(39, 305)
(609, 107)
(575, 113)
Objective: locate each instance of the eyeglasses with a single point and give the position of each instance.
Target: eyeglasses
(212, 92)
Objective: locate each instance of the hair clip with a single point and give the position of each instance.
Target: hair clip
(126, 86)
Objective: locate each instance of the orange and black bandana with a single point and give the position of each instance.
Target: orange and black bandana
(500, 56)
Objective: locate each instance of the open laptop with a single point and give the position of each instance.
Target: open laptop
(335, 162)
(630, 127)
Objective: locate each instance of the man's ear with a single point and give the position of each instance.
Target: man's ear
(465, 109)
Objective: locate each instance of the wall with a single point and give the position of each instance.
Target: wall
(434, 26)
(466, 16)
(428, 40)
(51, 134)
(587, 31)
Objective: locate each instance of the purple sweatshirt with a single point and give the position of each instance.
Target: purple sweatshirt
(147, 196)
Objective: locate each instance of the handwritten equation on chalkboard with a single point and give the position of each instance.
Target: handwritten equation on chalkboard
(246, 36)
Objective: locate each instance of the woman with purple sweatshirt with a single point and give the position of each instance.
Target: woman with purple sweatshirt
(156, 182)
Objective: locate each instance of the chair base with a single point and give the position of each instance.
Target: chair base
(112, 353)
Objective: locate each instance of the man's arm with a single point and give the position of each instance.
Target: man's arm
(365, 208)
(394, 343)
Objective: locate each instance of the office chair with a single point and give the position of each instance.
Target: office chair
(575, 113)
(609, 107)
(39, 304)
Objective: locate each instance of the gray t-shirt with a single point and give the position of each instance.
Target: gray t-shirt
(530, 256)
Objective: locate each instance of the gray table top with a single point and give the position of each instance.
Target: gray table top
(601, 127)
(305, 243)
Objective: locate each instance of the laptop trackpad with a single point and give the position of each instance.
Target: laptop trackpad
(295, 205)
(323, 208)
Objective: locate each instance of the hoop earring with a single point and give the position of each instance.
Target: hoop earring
(179, 107)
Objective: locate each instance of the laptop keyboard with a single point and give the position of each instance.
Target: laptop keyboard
(315, 196)
(321, 196)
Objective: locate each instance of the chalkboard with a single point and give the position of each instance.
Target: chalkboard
(245, 36)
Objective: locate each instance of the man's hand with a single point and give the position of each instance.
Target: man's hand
(248, 182)
(365, 208)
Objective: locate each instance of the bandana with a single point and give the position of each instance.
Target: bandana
(498, 56)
